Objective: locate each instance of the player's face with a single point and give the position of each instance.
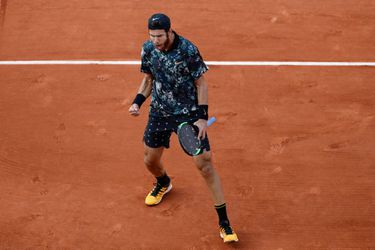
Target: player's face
(159, 38)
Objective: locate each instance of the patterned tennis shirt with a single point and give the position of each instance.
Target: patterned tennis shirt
(174, 93)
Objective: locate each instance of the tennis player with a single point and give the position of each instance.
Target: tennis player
(173, 75)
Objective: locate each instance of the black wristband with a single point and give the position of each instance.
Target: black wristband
(203, 112)
(139, 100)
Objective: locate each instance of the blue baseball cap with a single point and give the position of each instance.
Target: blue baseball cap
(159, 21)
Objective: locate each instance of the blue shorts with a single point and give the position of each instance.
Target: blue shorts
(159, 129)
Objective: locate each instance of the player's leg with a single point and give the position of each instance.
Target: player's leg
(152, 160)
(156, 138)
(208, 172)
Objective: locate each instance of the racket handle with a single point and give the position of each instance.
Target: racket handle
(210, 121)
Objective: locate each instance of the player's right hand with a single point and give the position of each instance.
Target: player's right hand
(134, 109)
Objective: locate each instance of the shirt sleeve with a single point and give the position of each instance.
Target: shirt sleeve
(145, 62)
(196, 65)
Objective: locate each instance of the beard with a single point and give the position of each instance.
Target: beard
(163, 46)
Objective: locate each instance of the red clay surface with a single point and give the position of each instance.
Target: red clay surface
(293, 145)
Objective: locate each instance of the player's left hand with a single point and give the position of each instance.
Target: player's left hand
(202, 125)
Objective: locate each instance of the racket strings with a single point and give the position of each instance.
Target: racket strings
(189, 139)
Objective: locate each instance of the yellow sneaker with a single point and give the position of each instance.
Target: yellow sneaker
(227, 234)
(156, 195)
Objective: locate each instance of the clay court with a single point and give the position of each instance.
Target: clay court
(294, 145)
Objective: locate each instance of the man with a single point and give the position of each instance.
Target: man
(174, 69)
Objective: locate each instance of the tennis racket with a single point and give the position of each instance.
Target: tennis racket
(188, 136)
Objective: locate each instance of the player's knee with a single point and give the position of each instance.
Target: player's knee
(150, 159)
(206, 170)
(204, 165)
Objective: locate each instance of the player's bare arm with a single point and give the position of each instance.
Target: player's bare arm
(145, 91)
(202, 92)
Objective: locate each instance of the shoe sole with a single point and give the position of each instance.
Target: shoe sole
(166, 191)
(222, 236)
